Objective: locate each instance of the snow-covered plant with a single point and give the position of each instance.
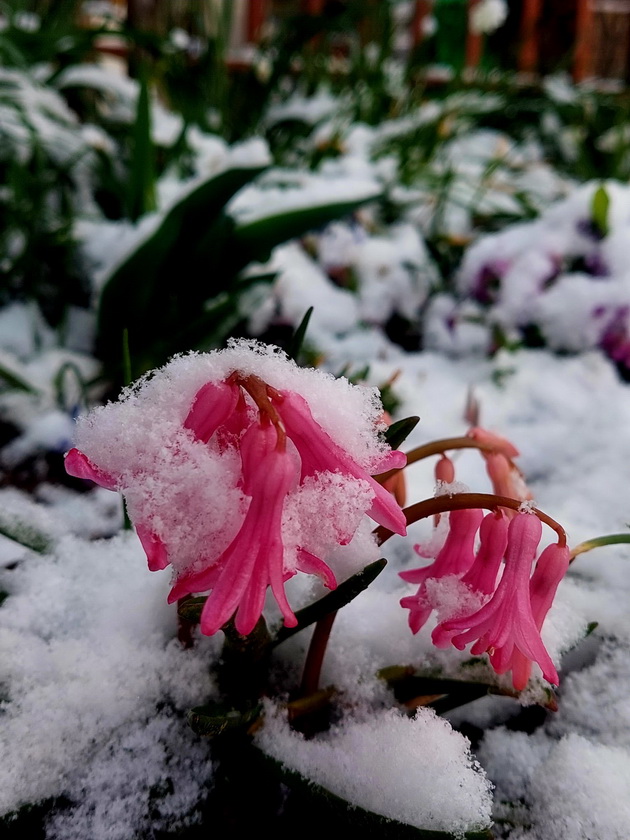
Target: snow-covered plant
(240, 470)
(524, 278)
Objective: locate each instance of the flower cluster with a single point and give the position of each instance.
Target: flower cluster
(489, 596)
(235, 481)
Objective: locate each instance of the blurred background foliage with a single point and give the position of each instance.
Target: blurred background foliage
(104, 106)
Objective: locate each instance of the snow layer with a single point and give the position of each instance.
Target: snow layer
(415, 770)
(94, 686)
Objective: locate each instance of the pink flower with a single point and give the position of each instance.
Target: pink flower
(505, 476)
(505, 626)
(551, 567)
(454, 558)
(320, 453)
(254, 559)
(236, 485)
(493, 537)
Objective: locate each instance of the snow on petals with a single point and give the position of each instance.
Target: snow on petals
(507, 626)
(228, 461)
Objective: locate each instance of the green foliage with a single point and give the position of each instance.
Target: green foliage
(166, 309)
(599, 211)
(141, 197)
(24, 533)
(399, 431)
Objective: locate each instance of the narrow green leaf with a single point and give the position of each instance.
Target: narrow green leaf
(67, 376)
(141, 190)
(23, 533)
(599, 210)
(257, 239)
(16, 381)
(126, 358)
(148, 293)
(400, 430)
(599, 542)
(335, 600)
(295, 347)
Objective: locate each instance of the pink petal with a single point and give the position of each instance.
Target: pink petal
(154, 548)
(312, 565)
(493, 534)
(80, 466)
(395, 459)
(211, 408)
(319, 453)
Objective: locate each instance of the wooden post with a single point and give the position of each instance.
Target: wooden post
(528, 53)
(474, 40)
(256, 17)
(422, 10)
(583, 57)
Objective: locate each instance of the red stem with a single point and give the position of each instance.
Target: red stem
(315, 655)
(461, 501)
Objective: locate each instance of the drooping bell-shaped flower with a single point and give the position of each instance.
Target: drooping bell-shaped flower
(505, 625)
(454, 558)
(551, 567)
(505, 476)
(320, 453)
(254, 559)
(240, 470)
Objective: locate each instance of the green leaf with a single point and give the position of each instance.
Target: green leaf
(141, 190)
(400, 430)
(297, 341)
(599, 210)
(214, 719)
(69, 386)
(442, 695)
(160, 288)
(345, 816)
(16, 380)
(335, 600)
(23, 533)
(258, 238)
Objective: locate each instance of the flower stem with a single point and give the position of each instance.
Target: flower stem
(315, 655)
(596, 542)
(461, 501)
(259, 392)
(438, 447)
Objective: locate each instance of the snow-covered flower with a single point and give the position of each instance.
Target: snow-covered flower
(505, 626)
(241, 469)
(488, 15)
(454, 558)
